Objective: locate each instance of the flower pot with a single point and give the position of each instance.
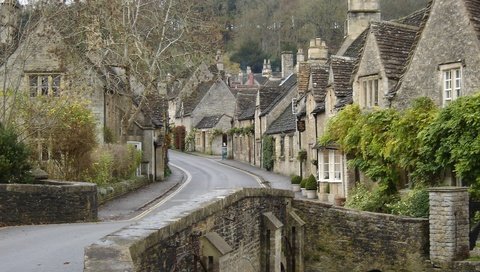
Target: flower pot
(296, 187)
(311, 194)
(340, 201)
(304, 192)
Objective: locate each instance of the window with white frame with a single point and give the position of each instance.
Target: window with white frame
(330, 166)
(452, 82)
(369, 95)
(44, 84)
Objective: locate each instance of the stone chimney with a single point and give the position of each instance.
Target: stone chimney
(300, 59)
(318, 51)
(360, 14)
(250, 78)
(287, 64)
(9, 19)
(267, 69)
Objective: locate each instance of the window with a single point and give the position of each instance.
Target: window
(290, 146)
(452, 83)
(369, 95)
(44, 84)
(331, 166)
(282, 146)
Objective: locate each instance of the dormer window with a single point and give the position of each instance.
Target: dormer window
(44, 84)
(369, 94)
(451, 82)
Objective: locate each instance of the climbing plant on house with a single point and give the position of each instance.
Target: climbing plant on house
(268, 151)
(452, 142)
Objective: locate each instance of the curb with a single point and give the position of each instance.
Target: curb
(165, 193)
(263, 181)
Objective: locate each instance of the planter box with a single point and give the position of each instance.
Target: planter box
(296, 187)
(311, 194)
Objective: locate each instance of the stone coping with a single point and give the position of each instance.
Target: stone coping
(49, 186)
(448, 189)
(386, 216)
(117, 251)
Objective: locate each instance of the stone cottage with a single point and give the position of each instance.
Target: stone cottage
(43, 62)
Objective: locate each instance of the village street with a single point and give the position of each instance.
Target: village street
(61, 247)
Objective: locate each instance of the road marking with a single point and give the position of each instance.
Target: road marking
(259, 181)
(167, 198)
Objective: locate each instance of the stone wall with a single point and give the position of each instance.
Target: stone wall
(340, 239)
(114, 190)
(157, 244)
(51, 202)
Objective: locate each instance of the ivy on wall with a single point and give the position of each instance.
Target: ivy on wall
(268, 151)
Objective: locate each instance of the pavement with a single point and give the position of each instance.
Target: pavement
(134, 203)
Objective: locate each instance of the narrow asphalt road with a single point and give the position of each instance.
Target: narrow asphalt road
(56, 248)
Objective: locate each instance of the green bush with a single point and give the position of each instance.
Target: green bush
(268, 153)
(414, 203)
(303, 183)
(113, 163)
(375, 200)
(296, 179)
(14, 165)
(311, 183)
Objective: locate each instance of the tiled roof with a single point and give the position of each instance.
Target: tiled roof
(355, 48)
(260, 79)
(341, 68)
(276, 94)
(191, 101)
(285, 123)
(319, 81)
(418, 35)
(414, 19)
(155, 108)
(303, 77)
(209, 121)
(395, 42)
(246, 100)
(473, 7)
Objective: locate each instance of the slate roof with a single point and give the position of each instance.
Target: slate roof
(285, 123)
(209, 121)
(303, 77)
(341, 69)
(473, 7)
(395, 42)
(260, 78)
(355, 48)
(154, 108)
(246, 104)
(319, 81)
(191, 101)
(276, 94)
(418, 35)
(413, 19)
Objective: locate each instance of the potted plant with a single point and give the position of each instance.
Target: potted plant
(311, 187)
(302, 186)
(296, 180)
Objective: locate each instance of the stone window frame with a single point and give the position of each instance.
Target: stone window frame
(451, 78)
(335, 159)
(369, 87)
(44, 83)
(291, 147)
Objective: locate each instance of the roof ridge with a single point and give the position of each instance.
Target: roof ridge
(396, 24)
